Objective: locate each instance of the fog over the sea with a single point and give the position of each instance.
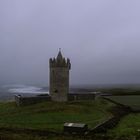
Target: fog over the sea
(101, 37)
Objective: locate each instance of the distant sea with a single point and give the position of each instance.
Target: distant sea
(7, 92)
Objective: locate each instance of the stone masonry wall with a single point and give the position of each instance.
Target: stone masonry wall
(59, 83)
(30, 100)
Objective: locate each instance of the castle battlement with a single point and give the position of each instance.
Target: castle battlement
(60, 61)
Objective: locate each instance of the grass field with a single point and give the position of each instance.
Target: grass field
(128, 126)
(51, 116)
(130, 100)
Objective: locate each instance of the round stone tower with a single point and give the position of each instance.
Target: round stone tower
(59, 78)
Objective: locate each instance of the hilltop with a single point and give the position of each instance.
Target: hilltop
(52, 115)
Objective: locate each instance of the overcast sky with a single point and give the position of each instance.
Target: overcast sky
(101, 37)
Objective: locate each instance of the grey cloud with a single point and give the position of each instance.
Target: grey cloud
(100, 37)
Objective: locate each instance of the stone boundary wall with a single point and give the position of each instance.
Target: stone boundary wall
(81, 96)
(21, 101)
(108, 124)
(111, 122)
(112, 101)
(118, 112)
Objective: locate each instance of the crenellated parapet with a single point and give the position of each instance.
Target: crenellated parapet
(60, 61)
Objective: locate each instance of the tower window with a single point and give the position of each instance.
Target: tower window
(56, 91)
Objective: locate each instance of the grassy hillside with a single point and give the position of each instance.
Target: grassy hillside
(52, 115)
(129, 100)
(128, 126)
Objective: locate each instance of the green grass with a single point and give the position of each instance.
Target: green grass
(133, 101)
(23, 136)
(128, 126)
(52, 115)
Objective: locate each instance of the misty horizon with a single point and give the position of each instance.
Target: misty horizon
(101, 38)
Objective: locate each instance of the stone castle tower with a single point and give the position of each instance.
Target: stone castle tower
(59, 78)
